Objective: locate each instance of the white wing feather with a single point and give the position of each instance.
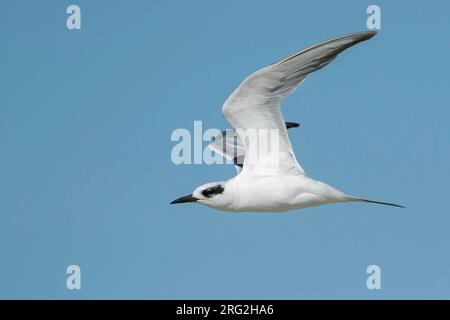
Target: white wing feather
(230, 146)
(255, 104)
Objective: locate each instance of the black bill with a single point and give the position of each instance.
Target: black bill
(185, 199)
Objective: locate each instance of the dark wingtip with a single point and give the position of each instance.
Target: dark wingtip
(371, 33)
(290, 125)
(365, 35)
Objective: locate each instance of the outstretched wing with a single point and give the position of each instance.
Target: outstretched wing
(255, 105)
(230, 146)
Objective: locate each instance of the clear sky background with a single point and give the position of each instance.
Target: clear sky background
(86, 176)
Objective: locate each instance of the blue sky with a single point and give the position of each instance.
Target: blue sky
(86, 176)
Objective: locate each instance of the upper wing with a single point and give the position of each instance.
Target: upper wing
(230, 146)
(253, 109)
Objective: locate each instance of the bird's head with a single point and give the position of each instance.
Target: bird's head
(210, 194)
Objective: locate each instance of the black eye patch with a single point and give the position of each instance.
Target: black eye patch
(213, 191)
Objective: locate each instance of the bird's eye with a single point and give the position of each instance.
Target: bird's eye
(208, 193)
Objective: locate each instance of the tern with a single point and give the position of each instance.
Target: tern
(273, 181)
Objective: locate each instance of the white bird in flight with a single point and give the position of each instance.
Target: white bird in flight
(272, 181)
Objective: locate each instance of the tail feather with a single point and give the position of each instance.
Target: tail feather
(377, 202)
